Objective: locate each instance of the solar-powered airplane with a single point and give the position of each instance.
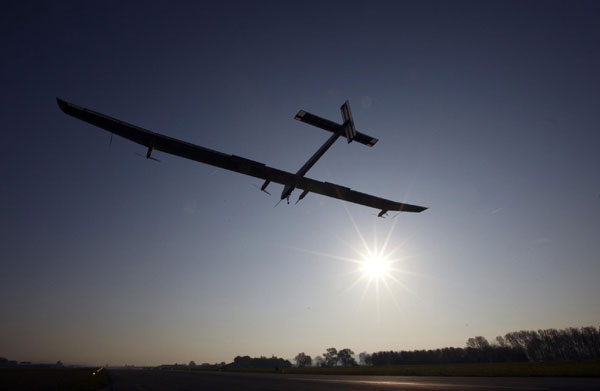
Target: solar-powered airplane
(154, 141)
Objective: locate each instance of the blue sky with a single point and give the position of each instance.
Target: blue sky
(487, 113)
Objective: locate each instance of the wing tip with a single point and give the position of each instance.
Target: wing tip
(413, 208)
(300, 115)
(62, 104)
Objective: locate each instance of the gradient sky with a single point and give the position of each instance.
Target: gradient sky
(486, 112)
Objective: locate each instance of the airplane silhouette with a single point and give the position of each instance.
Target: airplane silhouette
(154, 141)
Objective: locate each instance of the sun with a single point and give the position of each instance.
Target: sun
(380, 266)
(376, 267)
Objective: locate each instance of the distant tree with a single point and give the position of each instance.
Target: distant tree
(552, 344)
(60, 364)
(478, 343)
(319, 361)
(303, 360)
(331, 357)
(591, 341)
(364, 358)
(192, 364)
(345, 358)
(501, 342)
(242, 362)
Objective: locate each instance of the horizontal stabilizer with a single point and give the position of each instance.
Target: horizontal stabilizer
(333, 127)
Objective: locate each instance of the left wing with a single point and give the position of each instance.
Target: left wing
(155, 141)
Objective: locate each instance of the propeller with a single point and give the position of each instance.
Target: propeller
(255, 185)
(147, 157)
(383, 216)
(110, 142)
(287, 199)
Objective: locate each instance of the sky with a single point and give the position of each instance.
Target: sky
(486, 112)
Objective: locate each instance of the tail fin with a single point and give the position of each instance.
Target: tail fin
(349, 129)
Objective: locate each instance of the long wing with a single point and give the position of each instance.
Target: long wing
(229, 162)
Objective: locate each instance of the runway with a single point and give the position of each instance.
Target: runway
(151, 380)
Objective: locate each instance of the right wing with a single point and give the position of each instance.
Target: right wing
(347, 194)
(235, 163)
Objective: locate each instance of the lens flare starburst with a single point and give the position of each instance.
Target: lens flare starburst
(377, 267)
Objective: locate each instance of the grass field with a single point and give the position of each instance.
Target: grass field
(555, 368)
(51, 379)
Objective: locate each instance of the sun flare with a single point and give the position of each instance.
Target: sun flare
(380, 266)
(375, 267)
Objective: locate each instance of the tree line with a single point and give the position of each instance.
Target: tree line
(6, 363)
(331, 358)
(541, 345)
(517, 346)
(260, 362)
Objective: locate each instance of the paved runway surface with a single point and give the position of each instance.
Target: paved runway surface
(142, 380)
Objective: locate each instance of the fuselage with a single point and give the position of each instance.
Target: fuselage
(288, 189)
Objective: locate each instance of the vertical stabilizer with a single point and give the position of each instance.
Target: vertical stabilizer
(349, 129)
